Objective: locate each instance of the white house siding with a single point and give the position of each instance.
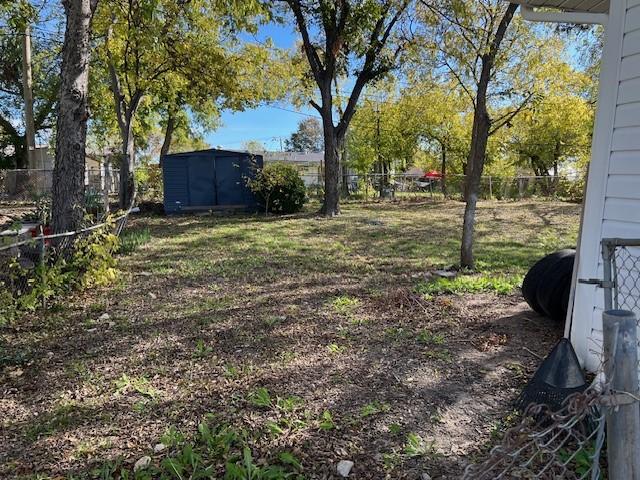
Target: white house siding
(612, 206)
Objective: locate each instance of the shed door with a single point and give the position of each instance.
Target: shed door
(202, 185)
(229, 182)
(176, 183)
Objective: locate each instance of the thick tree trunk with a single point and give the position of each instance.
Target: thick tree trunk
(332, 148)
(168, 134)
(68, 176)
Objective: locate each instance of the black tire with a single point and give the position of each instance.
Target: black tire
(553, 293)
(537, 276)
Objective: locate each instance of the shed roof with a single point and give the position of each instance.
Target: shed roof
(218, 151)
(590, 6)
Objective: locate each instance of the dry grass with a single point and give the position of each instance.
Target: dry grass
(320, 314)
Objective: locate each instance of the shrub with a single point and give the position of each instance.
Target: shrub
(149, 182)
(571, 190)
(279, 188)
(90, 263)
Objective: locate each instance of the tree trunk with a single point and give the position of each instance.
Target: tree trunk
(127, 183)
(125, 114)
(475, 166)
(332, 148)
(168, 134)
(68, 176)
(479, 140)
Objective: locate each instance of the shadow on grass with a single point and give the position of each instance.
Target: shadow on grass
(254, 296)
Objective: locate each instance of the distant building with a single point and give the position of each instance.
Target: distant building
(310, 165)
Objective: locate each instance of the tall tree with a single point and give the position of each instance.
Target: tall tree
(385, 134)
(441, 124)
(481, 130)
(68, 174)
(557, 129)
(495, 59)
(253, 146)
(307, 138)
(180, 59)
(350, 37)
(424, 125)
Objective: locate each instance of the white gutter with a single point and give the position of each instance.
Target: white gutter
(528, 13)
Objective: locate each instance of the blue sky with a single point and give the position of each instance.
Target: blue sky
(269, 124)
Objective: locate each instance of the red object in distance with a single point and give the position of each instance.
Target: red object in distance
(433, 174)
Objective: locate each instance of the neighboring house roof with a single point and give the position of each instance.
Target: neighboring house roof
(294, 157)
(588, 6)
(415, 171)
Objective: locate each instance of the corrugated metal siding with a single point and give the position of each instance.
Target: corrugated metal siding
(176, 184)
(208, 178)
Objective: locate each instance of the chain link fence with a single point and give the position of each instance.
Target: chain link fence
(25, 186)
(622, 271)
(26, 194)
(565, 444)
(371, 187)
(596, 434)
(22, 191)
(37, 265)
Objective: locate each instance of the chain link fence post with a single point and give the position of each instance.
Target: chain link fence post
(621, 371)
(608, 255)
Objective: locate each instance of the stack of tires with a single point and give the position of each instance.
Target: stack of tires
(547, 285)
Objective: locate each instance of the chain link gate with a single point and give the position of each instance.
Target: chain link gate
(621, 274)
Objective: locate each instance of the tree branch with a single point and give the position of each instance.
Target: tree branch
(316, 106)
(8, 128)
(506, 118)
(315, 63)
(368, 71)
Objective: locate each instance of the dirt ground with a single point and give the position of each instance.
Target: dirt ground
(211, 311)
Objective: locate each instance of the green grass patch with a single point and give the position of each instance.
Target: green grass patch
(215, 451)
(374, 408)
(500, 284)
(140, 385)
(131, 240)
(344, 304)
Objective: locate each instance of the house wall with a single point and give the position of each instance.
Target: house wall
(309, 165)
(612, 203)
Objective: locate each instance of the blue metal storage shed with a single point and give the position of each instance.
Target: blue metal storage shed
(208, 180)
